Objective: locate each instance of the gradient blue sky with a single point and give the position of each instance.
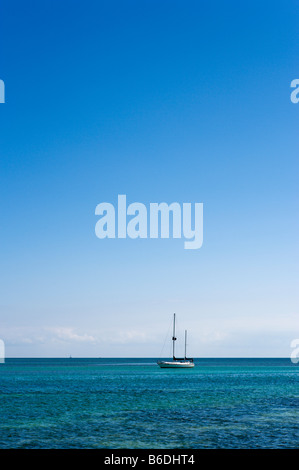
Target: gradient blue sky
(185, 101)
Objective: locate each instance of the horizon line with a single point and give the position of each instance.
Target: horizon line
(143, 357)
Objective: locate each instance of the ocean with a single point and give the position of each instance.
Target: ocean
(133, 404)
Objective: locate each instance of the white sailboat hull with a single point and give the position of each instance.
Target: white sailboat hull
(175, 364)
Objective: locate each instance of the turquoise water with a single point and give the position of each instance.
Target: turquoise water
(132, 403)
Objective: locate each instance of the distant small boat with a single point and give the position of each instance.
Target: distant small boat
(177, 362)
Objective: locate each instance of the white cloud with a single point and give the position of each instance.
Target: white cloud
(43, 335)
(68, 334)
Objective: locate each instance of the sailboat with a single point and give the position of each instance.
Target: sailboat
(176, 362)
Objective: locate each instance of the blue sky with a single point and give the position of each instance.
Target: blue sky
(161, 101)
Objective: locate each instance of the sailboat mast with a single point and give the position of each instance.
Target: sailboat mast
(173, 337)
(185, 344)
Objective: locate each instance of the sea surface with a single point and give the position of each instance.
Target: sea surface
(132, 403)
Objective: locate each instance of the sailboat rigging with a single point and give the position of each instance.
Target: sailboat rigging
(177, 362)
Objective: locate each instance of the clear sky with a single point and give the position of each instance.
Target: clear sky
(164, 101)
